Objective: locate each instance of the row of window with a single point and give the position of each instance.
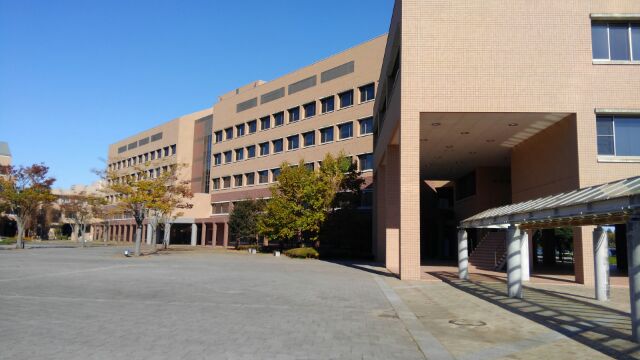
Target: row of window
(223, 208)
(364, 163)
(143, 158)
(146, 174)
(615, 40)
(294, 114)
(326, 135)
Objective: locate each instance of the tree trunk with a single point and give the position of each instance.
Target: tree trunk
(82, 229)
(138, 238)
(167, 234)
(19, 241)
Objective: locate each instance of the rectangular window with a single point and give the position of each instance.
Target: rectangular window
(227, 157)
(251, 151)
(365, 162)
(367, 92)
(237, 180)
(278, 118)
(263, 176)
(309, 166)
(218, 136)
(240, 130)
(226, 182)
(293, 142)
(253, 126)
(264, 149)
(294, 114)
(615, 41)
(309, 109)
(345, 130)
(217, 159)
(239, 154)
(309, 138)
(278, 145)
(153, 155)
(228, 133)
(366, 126)
(346, 98)
(216, 184)
(618, 135)
(174, 150)
(326, 135)
(251, 178)
(265, 123)
(166, 151)
(328, 104)
(220, 208)
(275, 173)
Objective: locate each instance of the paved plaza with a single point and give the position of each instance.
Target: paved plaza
(94, 303)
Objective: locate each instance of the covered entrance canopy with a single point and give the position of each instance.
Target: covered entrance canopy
(617, 202)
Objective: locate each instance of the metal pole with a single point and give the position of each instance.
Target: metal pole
(514, 262)
(463, 255)
(601, 263)
(633, 256)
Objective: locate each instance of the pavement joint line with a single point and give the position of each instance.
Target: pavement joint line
(506, 349)
(430, 347)
(69, 272)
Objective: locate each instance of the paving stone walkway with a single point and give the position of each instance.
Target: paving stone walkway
(93, 303)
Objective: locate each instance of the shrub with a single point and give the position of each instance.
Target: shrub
(302, 253)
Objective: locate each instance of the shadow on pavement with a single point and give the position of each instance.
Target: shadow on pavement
(598, 327)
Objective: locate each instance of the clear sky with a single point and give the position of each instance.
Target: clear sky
(78, 75)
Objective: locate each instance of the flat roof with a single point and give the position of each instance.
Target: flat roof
(603, 204)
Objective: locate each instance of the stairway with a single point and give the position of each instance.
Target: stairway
(490, 252)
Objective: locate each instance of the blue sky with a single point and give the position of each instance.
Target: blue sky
(78, 75)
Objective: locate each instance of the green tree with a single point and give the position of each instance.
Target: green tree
(243, 220)
(140, 195)
(302, 198)
(80, 209)
(23, 190)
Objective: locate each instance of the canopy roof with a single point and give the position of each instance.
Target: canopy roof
(610, 203)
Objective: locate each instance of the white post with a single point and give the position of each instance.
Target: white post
(167, 234)
(149, 234)
(194, 234)
(524, 254)
(633, 258)
(514, 263)
(463, 255)
(601, 263)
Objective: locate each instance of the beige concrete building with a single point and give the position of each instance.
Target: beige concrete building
(504, 101)
(323, 108)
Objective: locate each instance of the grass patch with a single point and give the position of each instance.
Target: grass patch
(302, 253)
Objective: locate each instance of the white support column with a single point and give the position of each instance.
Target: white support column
(167, 233)
(514, 262)
(149, 234)
(194, 234)
(601, 263)
(463, 255)
(524, 254)
(633, 257)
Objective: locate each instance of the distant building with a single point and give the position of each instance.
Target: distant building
(5, 157)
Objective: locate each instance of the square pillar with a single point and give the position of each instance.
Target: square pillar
(226, 235)
(194, 234)
(633, 260)
(167, 233)
(514, 262)
(131, 229)
(409, 191)
(149, 234)
(583, 255)
(463, 255)
(392, 209)
(203, 234)
(214, 235)
(379, 214)
(601, 263)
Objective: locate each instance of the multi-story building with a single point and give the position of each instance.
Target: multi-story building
(323, 108)
(483, 103)
(233, 151)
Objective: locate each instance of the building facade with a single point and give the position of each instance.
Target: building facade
(5, 157)
(483, 103)
(234, 150)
